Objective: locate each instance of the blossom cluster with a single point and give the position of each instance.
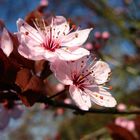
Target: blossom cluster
(72, 64)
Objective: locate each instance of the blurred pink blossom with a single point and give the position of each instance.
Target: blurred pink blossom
(67, 101)
(89, 46)
(85, 77)
(59, 87)
(97, 35)
(128, 124)
(44, 2)
(121, 107)
(105, 35)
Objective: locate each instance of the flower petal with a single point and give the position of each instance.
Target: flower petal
(71, 55)
(101, 72)
(101, 97)
(76, 38)
(6, 43)
(62, 71)
(59, 20)
(26, 31)
(29, 54)
(82, 100)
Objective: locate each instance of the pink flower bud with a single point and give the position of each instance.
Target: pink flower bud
(121, 107)
(89, 46)
(131, 125)
(59, 87)
(105, 35)
(67, 101)
(43, 2)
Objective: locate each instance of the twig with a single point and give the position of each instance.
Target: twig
(57, 94)
(54, 103)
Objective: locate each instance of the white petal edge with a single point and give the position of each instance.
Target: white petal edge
(76, 38)
(6, 43)
(71, 55)
(84, 102)
(61, 71)
(101, 72)
(29, 54)
(101, 97)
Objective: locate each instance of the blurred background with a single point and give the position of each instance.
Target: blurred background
(116, 40)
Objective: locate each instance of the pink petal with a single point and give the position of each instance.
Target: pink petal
(59, 25)
(71, 55)
(101, 97)
(82, 100)
(62, 71)
(60, 30)
(57, 20)
(76, 38)
(29, 54)
(26, 31)
(101, 71)
(6, 43)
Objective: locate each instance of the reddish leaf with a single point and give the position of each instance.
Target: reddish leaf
(22, 78)
(7, 69)
(16, 58)
(120, 133)
(33, 91)
(137, 125)
(35, 84)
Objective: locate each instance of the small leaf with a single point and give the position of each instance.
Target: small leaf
(120, 133)
(22, 78)
(33, 91)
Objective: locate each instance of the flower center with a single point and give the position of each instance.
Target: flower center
(51, 45)
(81, 80)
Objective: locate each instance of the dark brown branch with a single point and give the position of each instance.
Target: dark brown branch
(53, 103)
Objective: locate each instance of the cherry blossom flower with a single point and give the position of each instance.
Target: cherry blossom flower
(125, 123)
(6, 43)
(85, 77)
(54, 40)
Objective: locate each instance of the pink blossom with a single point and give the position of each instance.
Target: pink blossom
(47, 42)
(121, 107)
(43, 2)
(67, 101)
(6, 43)
(125, 123)
(59, 87)
(97, 35)
(89, 46)
(105, 35)
(85, 77)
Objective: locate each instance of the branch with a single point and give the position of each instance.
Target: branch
(79, 111)
(57, 104)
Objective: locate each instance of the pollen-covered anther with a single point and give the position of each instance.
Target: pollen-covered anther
(26, 33)
(101, 97)
(76, 35)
